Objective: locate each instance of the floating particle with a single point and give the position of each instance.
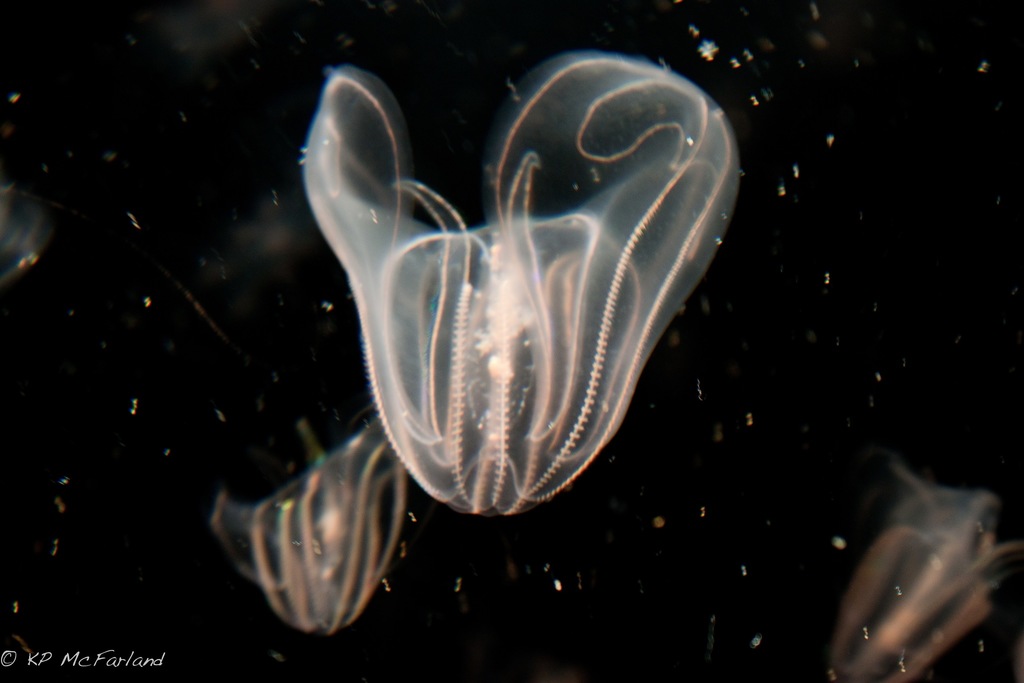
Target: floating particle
(707, 50)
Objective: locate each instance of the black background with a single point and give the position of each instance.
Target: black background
(876, 300)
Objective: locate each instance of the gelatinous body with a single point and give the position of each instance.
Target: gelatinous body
(319, 546)
(25, 231)
(503, 358)
(924, 582)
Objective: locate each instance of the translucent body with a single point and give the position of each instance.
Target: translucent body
(503, 358)
(924, 582)
(319, 546)
(24, 233)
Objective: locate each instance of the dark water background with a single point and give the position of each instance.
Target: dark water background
(868, 291)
